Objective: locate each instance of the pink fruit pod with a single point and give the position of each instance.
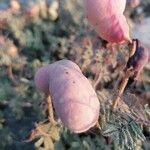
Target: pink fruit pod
(108, 19)
(74, 100)
(41, 78)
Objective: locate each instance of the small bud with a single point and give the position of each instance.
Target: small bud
(15, 5)
(12, 51)
(138, 60)
(133, 3)
(33, 11)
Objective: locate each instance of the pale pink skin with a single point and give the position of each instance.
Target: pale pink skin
(73, 97)
(41, 79)
(42, 75)
(108, 19)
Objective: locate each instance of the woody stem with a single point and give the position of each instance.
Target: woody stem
(50, 110)
(125, 79)
(121, 89)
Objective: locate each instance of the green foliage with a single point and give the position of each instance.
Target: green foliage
(124, 131)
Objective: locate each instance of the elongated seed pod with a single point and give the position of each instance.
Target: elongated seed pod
(108, 19)
(73, 97)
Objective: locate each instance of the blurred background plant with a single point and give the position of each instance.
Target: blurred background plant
(38, 32)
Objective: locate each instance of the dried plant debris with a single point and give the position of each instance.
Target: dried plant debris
(69, 141)
(54, 137)
(46, 133)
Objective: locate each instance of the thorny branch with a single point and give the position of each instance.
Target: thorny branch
(128, 74)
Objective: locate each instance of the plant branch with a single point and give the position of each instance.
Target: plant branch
(50, 110)
(128, 74)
